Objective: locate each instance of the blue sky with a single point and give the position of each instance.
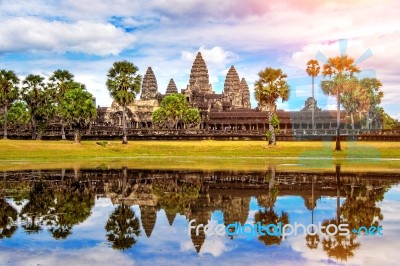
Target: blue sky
(86, 37)
(171, 245)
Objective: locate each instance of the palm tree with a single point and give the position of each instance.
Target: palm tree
(313, 71)
(60, 82)
(372, 87)
(8, 92)
(340, 69)
(271, 86)
(35, 94)
(354, 99)
(123, 82)
(122, 227)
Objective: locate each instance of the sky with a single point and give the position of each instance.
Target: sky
(171, 244)
(86, 37)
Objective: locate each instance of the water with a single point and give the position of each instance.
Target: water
(141, 217)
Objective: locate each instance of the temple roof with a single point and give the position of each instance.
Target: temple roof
(171, 88)
(199, 72)
(244, 87)
(232, 82)
(149, 85)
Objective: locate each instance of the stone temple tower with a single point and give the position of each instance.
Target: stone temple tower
(244, 88)
(199, 79)
(232, 92)
(149, 85)
(171, 88)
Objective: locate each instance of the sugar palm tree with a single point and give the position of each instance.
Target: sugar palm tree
(271, 86)
(123, 228)
(39, 101)
(60, 82)
(8, 92)
(340, 69)
(123, 82)
(354, 99)
(313, 69)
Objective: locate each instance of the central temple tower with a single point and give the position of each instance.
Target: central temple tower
(199, 80)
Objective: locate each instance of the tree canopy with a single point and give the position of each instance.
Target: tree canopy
(9, 92)
(173, 109)
(123, 83)
(270, 87)
(40, 104)
(77, 108)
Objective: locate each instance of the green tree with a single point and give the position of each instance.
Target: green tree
(77, 108)
(60, 83)
(191, 117)
(388, 121)
(339, 70)
(354, 98)
(312, 70)
(122, 228)
(123, 82)
(271, 86)
(40, 103)
(372, 86)
(18, 115)
(174, 109)
(8, 93)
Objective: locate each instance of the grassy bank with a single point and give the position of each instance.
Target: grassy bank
(16, 154)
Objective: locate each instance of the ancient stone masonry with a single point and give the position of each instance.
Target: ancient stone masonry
(244, 88)
(220, 112)
(309, 103)
(232, 92)
(171, 87)
(149, 85)
(148, 216)
(199, 79)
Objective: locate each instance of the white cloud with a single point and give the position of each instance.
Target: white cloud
(35, 34)
(215, 56)
(281, 34)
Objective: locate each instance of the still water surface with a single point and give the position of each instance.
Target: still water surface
(140, 217)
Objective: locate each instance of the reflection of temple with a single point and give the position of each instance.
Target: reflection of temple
(226, 111)
(196, 195)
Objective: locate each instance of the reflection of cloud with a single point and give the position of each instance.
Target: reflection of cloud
(89, 256)
(373, 249)
(214, 246)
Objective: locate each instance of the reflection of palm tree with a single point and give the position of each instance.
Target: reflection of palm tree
(360, 208)
(312, 240)
(267, 217)
(41, 200)
(339, 246)
(8, 217)
(122, 228)
(73, 205)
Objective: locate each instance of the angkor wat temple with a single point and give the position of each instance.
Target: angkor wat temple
(228, 111)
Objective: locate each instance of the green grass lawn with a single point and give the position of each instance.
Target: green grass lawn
(26, 154)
